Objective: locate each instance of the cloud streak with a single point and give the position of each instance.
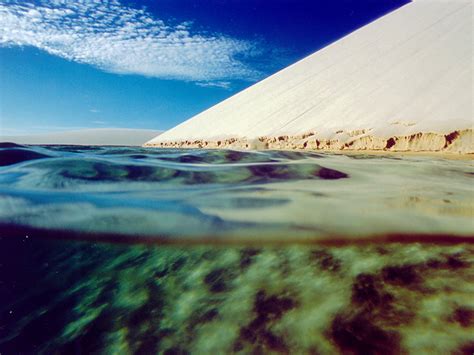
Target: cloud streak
(125, 40)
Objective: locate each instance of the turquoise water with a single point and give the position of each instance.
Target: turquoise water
(221, 196)
(119, 250)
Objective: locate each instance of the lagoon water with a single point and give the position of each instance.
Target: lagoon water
(131, 250)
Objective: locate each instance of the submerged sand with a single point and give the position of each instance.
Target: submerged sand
(101, 298)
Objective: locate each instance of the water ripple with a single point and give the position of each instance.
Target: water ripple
(231, 194)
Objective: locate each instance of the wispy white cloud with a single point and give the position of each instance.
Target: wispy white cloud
(215, 84)
(94, 110)
(125, 40)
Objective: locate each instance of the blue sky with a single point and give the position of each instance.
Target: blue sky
(152, 63)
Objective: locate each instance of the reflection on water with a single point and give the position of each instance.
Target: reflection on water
(62, 294)
(183, 195)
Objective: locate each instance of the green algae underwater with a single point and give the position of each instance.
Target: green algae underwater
(120, 250)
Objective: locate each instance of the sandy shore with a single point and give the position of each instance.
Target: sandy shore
(456, 143)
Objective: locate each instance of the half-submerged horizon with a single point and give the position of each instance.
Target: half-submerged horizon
(86, 136)
(253, 248)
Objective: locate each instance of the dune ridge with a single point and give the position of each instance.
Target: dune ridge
(400, 83)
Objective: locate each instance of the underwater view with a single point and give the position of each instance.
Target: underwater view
(121, 250)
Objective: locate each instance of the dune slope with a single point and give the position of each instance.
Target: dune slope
(400, 83)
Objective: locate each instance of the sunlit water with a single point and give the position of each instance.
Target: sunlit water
(273, 252)
(175, 195)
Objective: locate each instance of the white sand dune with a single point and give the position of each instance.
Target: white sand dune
(99, 136)
(402, 82)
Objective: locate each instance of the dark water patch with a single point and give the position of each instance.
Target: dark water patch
(466, 349)
(464, 316)
(247, 202)
(204, 316)
(139, 173)
(93, 338)
(358, 335)
(243, 202)
(215, 157)
(290, 155)
(316, 194)
(10, 145)
(138, 156)
(201, 316)
(247, 256)
(149, 344)
(371, 299)
(177, 264)
(106, 295)
(200, 157)
(188, 159)
(191, 159)
(367, 291)
(270, 172)
(198, 177)
(219, 280)
(106, 172)
(326, 261)
(18, 155)
(362, 156)
(272, 307)
(29, 268)
(39, 331)
(138, 258)
(382, 250)
(175, 351)
(74, 148)
(331, 174)
(452, 262)
(119, 151)
(401, 275)
(239, 156)
(456, 262)
(140, 321)
(268, 309)
(93, 171)
(78, 150)
(281, 171)
(435, 263)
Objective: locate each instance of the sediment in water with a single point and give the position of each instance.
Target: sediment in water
(106, 298)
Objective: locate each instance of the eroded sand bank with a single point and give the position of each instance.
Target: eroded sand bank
(458, 141)
(395, 84)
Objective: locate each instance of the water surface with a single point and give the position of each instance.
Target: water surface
(233, 252)
(196, 195)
